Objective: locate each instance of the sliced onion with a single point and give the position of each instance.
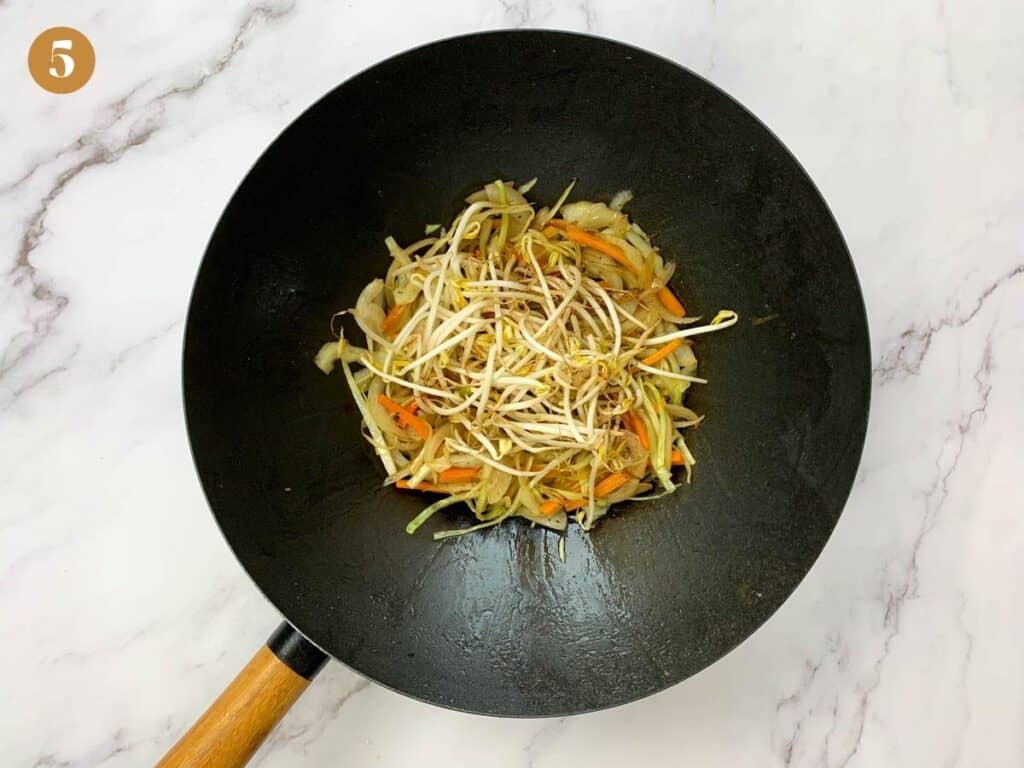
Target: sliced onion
(620, 200)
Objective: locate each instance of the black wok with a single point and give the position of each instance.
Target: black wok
(493, 622)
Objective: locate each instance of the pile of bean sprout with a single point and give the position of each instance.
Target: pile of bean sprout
(526, 362)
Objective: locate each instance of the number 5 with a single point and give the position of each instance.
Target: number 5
(67, 63)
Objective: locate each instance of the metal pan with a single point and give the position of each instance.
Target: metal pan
(493, 622)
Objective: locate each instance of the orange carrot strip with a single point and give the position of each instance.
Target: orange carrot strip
(641, 431)
(550, 507)
(595, 242)
(392, 320)
(670, 302)
(427, 487)
(636, 425)
(677, 458)
(458, 474)
(662, 353)
(412, 406)
(611, 483)
(406, 419)
(628, 422)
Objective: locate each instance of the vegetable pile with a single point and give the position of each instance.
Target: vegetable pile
(526, 362)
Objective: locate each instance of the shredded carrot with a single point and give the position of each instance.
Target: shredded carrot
(394, 317)
(427, 487)
(677, 458)
(637, 426)
(595, 242)
(412, 406)
(611, 483)
(458, 474)
(641, 432)
(670, 302)
(405, 418)
(550, 507)
(627, 421)
(662, 353)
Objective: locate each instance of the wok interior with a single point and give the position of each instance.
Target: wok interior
(493, 622)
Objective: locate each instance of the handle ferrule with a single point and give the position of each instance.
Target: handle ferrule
(292, 647)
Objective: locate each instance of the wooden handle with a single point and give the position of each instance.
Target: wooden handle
(235, 725)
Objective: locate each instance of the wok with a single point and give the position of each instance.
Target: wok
(493, 622)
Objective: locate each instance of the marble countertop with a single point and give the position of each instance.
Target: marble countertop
(121, 608)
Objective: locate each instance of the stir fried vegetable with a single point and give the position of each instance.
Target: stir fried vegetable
(528, 363)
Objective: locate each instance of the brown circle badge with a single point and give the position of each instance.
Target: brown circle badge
(61, 60)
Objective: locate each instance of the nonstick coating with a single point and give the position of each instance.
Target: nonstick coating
(493, 622)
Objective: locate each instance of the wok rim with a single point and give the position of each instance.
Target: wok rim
(858, 429)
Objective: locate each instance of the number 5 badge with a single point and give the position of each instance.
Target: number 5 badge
(61, 60)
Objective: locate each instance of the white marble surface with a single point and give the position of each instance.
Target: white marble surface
(121, 610)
